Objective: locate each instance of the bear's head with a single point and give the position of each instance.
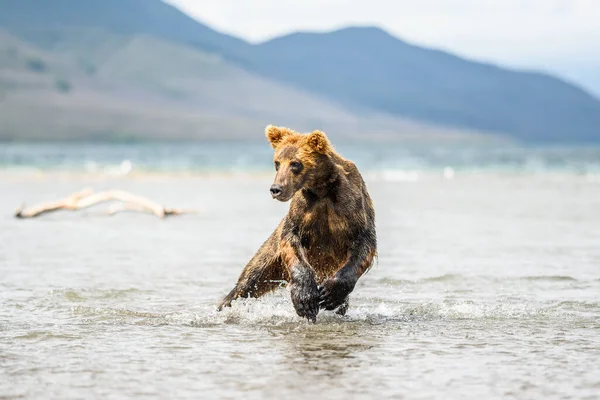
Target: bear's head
(301, 160)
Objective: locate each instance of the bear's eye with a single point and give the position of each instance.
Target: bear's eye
(276, 165)
(296, 166)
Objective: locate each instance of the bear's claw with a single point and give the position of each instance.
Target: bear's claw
(343, 309)
(226, 302)
(305, 298)
(334, 293)
(308, 313)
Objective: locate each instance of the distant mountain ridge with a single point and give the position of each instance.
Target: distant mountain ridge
(364, 70)
(368, 67)
(90, 84)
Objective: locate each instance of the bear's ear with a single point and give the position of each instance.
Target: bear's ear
(276, 134)
(318, 141)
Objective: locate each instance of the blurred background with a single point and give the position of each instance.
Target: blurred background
(437, 72)
(475, 124)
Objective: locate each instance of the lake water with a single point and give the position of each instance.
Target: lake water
(487, 284)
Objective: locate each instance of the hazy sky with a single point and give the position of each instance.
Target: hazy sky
(562, 36)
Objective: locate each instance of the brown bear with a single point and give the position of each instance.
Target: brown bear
(327, 240)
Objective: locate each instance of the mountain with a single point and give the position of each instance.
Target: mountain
(370, 68)
(374, 81)
(127, 17)
(87, 83)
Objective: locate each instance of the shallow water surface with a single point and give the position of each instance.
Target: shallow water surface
(487, 286)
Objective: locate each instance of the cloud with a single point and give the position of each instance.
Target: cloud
(531, 33)
(260, 19)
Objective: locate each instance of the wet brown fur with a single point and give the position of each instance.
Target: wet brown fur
(328, 235)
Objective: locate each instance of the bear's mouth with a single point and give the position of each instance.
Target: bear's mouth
(282, 197)
(282, 192)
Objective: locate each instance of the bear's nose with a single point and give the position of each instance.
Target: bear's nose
(276, 190)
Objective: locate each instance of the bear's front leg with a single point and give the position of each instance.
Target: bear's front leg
(304, 292)
(334, 291)
(304, 288)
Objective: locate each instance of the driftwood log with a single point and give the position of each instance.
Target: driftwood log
(87, 198)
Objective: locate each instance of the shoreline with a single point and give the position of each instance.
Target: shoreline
(386, 175)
